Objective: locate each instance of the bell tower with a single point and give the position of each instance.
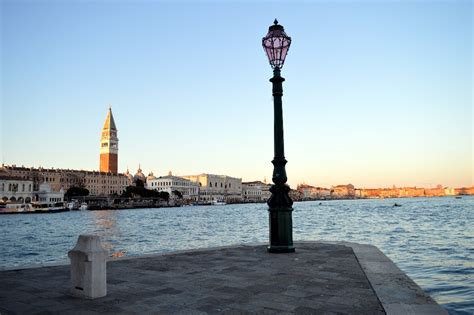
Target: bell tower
(109, 145)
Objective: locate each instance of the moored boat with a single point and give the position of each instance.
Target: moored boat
(16, 208)
(217, 202)
(49, 207)
(73, 205)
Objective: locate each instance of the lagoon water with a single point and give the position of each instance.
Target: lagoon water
(431, 239)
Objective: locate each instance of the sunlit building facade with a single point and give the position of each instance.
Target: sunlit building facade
(170, 183)
(217, 187)
(343, 191)
(98, 183)
(255, 191)
(310, 192)
(15, 189)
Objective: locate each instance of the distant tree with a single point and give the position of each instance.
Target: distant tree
(164, 195)
(139, 183)
(178, 194)
(137, 191)
(133, 191)
(76, 192)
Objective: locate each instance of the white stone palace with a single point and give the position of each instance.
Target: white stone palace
(15, 188)
(255, 191)
(217, 187)
(170, 183)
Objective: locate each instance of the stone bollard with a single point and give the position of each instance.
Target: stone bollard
(88, 268)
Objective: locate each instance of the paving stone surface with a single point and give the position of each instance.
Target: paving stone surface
(317, 279)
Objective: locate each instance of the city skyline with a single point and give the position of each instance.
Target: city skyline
(375, 95)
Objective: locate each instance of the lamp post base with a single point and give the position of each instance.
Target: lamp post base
(280, 221)
(280, 249)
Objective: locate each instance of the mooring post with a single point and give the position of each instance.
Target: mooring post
(88, 268)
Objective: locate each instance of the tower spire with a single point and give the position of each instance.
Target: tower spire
(109, 145)
(109, 121)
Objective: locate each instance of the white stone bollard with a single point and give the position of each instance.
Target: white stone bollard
(88, 268)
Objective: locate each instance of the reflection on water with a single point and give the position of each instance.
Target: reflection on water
(430, 239)
(106, 226)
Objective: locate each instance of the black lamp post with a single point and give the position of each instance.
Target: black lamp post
(276, 45)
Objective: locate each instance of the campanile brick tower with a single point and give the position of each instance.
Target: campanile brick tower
(109, 145)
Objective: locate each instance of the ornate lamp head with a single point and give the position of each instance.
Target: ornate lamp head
(276, 44)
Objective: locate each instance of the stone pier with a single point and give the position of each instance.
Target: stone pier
(320, 278)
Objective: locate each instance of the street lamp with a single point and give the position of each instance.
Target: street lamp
(276, 44)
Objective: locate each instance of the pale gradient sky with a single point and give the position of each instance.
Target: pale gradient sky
(376, 93)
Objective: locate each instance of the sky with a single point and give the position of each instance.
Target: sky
(377, 93)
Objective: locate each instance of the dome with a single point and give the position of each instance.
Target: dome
(139, 175)
(150, 176)
(129, 177)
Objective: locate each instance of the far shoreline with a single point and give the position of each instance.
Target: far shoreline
(131, 207)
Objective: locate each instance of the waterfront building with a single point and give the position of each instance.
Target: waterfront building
(56, 178)
(411, 192)
(255, 191)
(109, 145)
(434, 192)
(98, 183)
(266, 193)
(306, 191)
(370, 193)
(448, 191)
(104, 184)
(389, 192)
(15, 189)
(217, 187)
(251, 192)
(343, 191)
(309, 192)
(45, 195)
(295, 195)
(170, 183)
(465, 191)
